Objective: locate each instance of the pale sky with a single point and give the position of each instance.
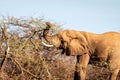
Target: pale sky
(96, 16)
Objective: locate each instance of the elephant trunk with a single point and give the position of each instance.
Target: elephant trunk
(51, 39)
(47, 36)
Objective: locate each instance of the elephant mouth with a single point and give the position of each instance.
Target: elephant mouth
(62, 50)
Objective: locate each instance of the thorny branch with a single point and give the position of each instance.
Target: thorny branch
(23, 69)
(29, 39)
(4, 35)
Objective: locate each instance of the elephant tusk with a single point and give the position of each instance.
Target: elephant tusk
(47, 45)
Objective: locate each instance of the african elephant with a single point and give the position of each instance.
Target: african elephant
(86, 46)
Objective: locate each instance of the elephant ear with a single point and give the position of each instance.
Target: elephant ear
(76, 42)
(76, 47)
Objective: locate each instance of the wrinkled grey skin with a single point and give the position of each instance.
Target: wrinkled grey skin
(104, 48)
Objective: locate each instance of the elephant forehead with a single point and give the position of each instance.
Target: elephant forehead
(72, 34)
(67, 35)
(55, 38)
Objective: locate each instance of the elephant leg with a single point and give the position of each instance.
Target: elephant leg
(114, 74)
(81, 65)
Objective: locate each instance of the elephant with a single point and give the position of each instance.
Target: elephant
(87, 46)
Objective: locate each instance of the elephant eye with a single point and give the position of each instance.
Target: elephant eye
(62, 41)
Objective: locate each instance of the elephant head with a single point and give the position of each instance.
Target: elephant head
(70, 41)
(53, 40)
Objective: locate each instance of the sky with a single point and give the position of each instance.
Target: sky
(96, 16)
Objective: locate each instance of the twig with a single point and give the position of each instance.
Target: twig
(3, 63)
(23, 69)
(29, 38)
(45, 66)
